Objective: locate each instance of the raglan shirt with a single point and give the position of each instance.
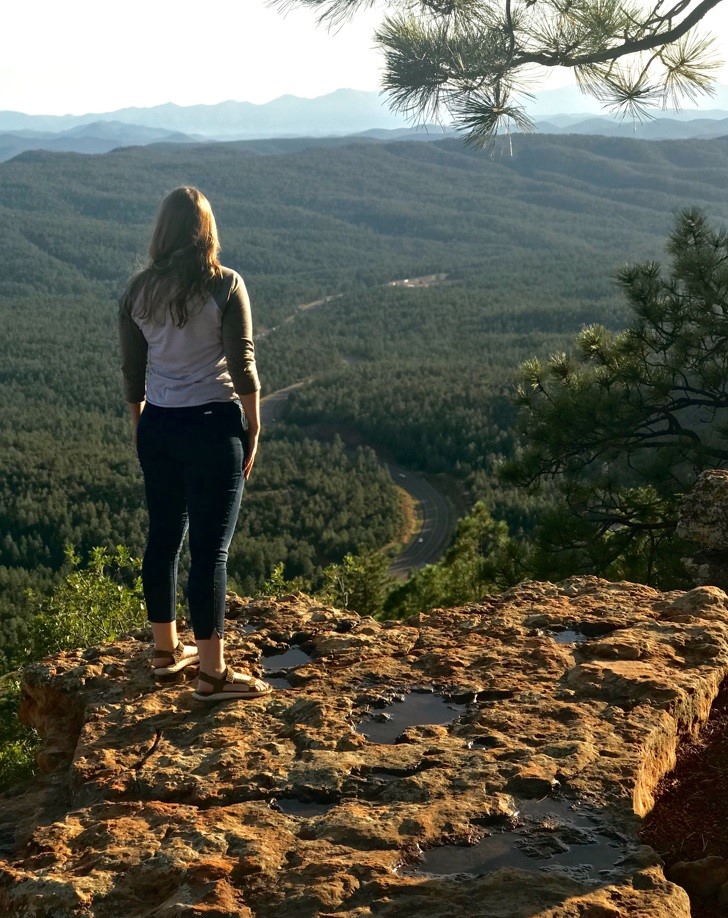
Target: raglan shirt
(210, 359)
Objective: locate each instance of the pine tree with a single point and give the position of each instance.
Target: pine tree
(624, 423)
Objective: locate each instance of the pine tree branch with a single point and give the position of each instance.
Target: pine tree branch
(628, 47)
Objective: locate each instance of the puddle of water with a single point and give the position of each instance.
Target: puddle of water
(570, 637)
(553, 835)
(385, 777)
(8, 843)
(379, 773)
(544, 810)
(248, 628)
(289, 659)
(417, 708)
(494, 695)
(484, 742)
(277, 681)
(290, 806)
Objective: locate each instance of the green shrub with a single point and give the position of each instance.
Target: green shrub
(278, 585)
(92, 605)
(360, 582)
(18, 743)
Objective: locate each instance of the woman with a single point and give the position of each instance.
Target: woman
(188, 362)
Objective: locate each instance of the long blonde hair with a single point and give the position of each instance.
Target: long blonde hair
(183, 259)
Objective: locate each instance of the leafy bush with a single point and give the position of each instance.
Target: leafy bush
(17, 743)
(360, 583)
(93, 604)
(278, 585)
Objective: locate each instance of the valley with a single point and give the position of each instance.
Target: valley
(528, 243)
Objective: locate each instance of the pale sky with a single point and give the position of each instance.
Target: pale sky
(88, 56)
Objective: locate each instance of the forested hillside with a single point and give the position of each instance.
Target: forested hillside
(528, 242)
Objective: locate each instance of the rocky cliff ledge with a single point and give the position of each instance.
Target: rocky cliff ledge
(491, 761)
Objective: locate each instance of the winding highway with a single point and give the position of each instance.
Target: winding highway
(436, 515)
(436, 520)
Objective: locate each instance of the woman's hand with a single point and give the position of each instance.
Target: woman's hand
(253, 435)
(251, 407)
(135, 410)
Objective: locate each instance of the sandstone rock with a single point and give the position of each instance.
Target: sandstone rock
(283, 807)
(702, 513)
(703, 877)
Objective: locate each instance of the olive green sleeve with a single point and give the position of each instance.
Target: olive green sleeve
(133, 357)
(237, 338)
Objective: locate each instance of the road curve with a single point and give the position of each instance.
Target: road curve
(435, 513)
(436, 517)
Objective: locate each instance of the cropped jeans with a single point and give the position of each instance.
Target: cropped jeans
(192, 460)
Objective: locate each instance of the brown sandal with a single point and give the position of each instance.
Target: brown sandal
(246, 687)
(177, 660)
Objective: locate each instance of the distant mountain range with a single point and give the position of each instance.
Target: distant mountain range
(568, 101)
(344, 113)
(96, 137)
(657, 129)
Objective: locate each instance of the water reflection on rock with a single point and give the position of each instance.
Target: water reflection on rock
(415, 709)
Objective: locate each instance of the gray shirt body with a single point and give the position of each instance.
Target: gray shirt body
(210, 359)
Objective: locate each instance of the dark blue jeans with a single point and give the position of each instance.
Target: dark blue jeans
(192, 460)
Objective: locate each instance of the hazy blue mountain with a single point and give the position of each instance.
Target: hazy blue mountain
(567, 100)
(97, 137)
(103, 136)
(345, 111)
(420, 132)
(713, 114)
(125, 133)
(656, 129)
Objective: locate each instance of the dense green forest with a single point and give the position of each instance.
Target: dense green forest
(529, 244)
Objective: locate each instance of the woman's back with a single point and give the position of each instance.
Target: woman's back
(208, 358)
(187, 364)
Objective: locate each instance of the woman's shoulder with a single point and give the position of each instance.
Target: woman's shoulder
(226, 284)
(132, 291)
(230, 275)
